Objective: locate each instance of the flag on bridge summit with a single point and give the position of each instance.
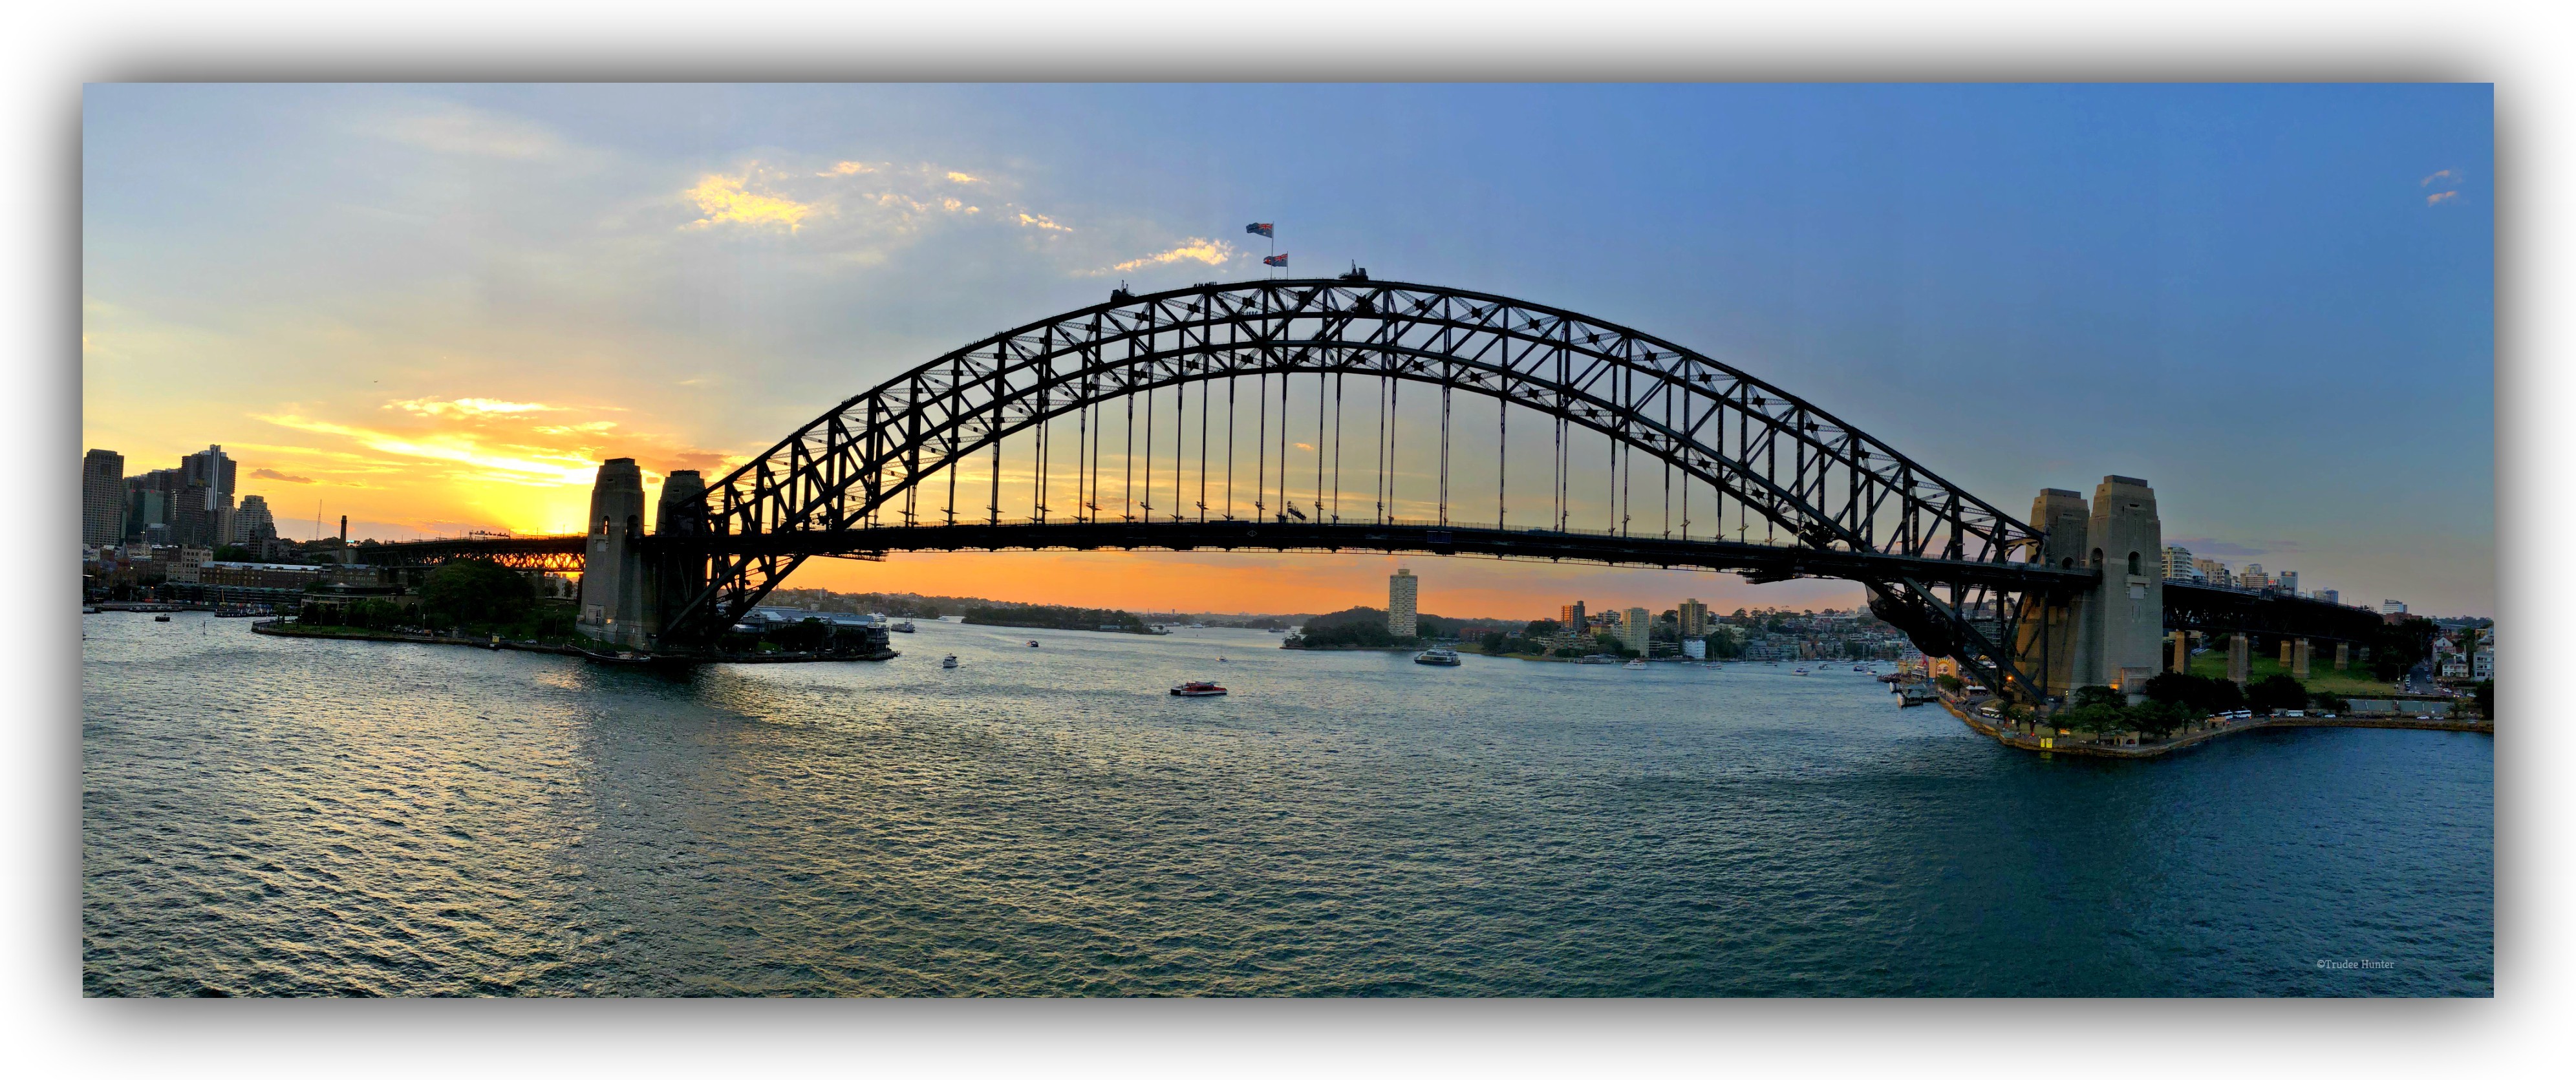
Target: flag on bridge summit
(1280, 259)
(1262, 227)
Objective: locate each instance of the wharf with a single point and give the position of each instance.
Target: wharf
(2069, 744)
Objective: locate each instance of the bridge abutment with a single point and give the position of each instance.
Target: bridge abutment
(2111, 634)
(615, 595)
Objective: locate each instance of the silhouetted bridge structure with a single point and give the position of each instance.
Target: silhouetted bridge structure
(1224, 417)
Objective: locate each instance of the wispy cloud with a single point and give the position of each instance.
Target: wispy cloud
(2448, 180)
(272, 474)
(962, 178)
(846, 168)
(1041, 221)
(469, 407)
(458, 129)
(1211, 252)
(724, 201)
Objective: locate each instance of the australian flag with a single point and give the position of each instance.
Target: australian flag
(1262, 227)
(1280, 259)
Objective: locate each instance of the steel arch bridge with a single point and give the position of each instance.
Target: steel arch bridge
(1940, 563)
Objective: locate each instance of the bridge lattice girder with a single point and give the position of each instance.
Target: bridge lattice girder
(1831, 486)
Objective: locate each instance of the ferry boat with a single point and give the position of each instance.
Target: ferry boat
(1033, 643)
(948, 661)
(1636, 663)
(1437, 657)
(1597, 658)
(160, 618)
(1198, 689)
(904, 627)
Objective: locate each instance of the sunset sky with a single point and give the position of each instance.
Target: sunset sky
(436, 308)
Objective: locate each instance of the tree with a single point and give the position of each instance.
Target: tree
(2483, 692)
(1950, 683)
(1495, 643)
(1539, 628)
(474, 592)
(2099, 695)
(233, 553)
(2277, 694)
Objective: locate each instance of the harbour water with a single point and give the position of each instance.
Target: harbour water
(272, 816)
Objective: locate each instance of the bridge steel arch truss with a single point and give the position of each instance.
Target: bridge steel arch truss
(1831, 486)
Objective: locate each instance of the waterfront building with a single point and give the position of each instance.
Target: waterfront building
(2213, 572)
(102, 497)
(1402, 591)
(1695, 648)
(1633, 629)
(1571, 617)
(2178, 564)
(2392, 607)
(1693, 616)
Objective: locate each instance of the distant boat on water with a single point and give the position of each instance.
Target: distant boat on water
(948, 661)
(1437, 657)
(904, 627)
(1637, 663)
(1198, 689)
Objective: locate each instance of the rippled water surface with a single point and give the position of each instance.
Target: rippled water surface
(266, 816)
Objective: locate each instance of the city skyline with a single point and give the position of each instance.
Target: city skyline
(436, 309)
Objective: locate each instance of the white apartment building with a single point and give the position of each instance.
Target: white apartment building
(1402, 590)
(1632, 629)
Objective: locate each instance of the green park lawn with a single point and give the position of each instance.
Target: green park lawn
(2322, 677)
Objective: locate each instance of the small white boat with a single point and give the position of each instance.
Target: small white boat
(1437, 657)
(1198, 689)
(1636, 663)
(948, 661)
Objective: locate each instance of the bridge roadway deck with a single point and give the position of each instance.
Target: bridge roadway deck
(1759, 562)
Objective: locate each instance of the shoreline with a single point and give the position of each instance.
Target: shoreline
(281, 628)
(2050, 744)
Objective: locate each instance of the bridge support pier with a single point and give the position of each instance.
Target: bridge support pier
(2299, 659)
(2178, 652)
(2343, 654)
(2110, 635)
(613, 585)
(623, 586)
(2240, 659)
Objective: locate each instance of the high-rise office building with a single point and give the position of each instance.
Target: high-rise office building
(1694, 618)
(1402, 591)
(2178, 564)
(150, 499)
(2331, 596)
(1571, 617)
(210, 468)
(2288, 581)
(253, 526)
(2392, 607)
(2213, 572)
(1632, 629)
(102, 498)
(2253, 577)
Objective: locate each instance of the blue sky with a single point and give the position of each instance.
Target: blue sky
(2274, 302)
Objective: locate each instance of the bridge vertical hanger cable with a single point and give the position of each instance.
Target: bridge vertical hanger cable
(1204, 388)
(1445, 375)
(1148, 504)
(1229, 447)
(1261, 448)
(993, 508)
(1337, 446)
(1283, 448)
(1321, 377)
(1127, 461)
